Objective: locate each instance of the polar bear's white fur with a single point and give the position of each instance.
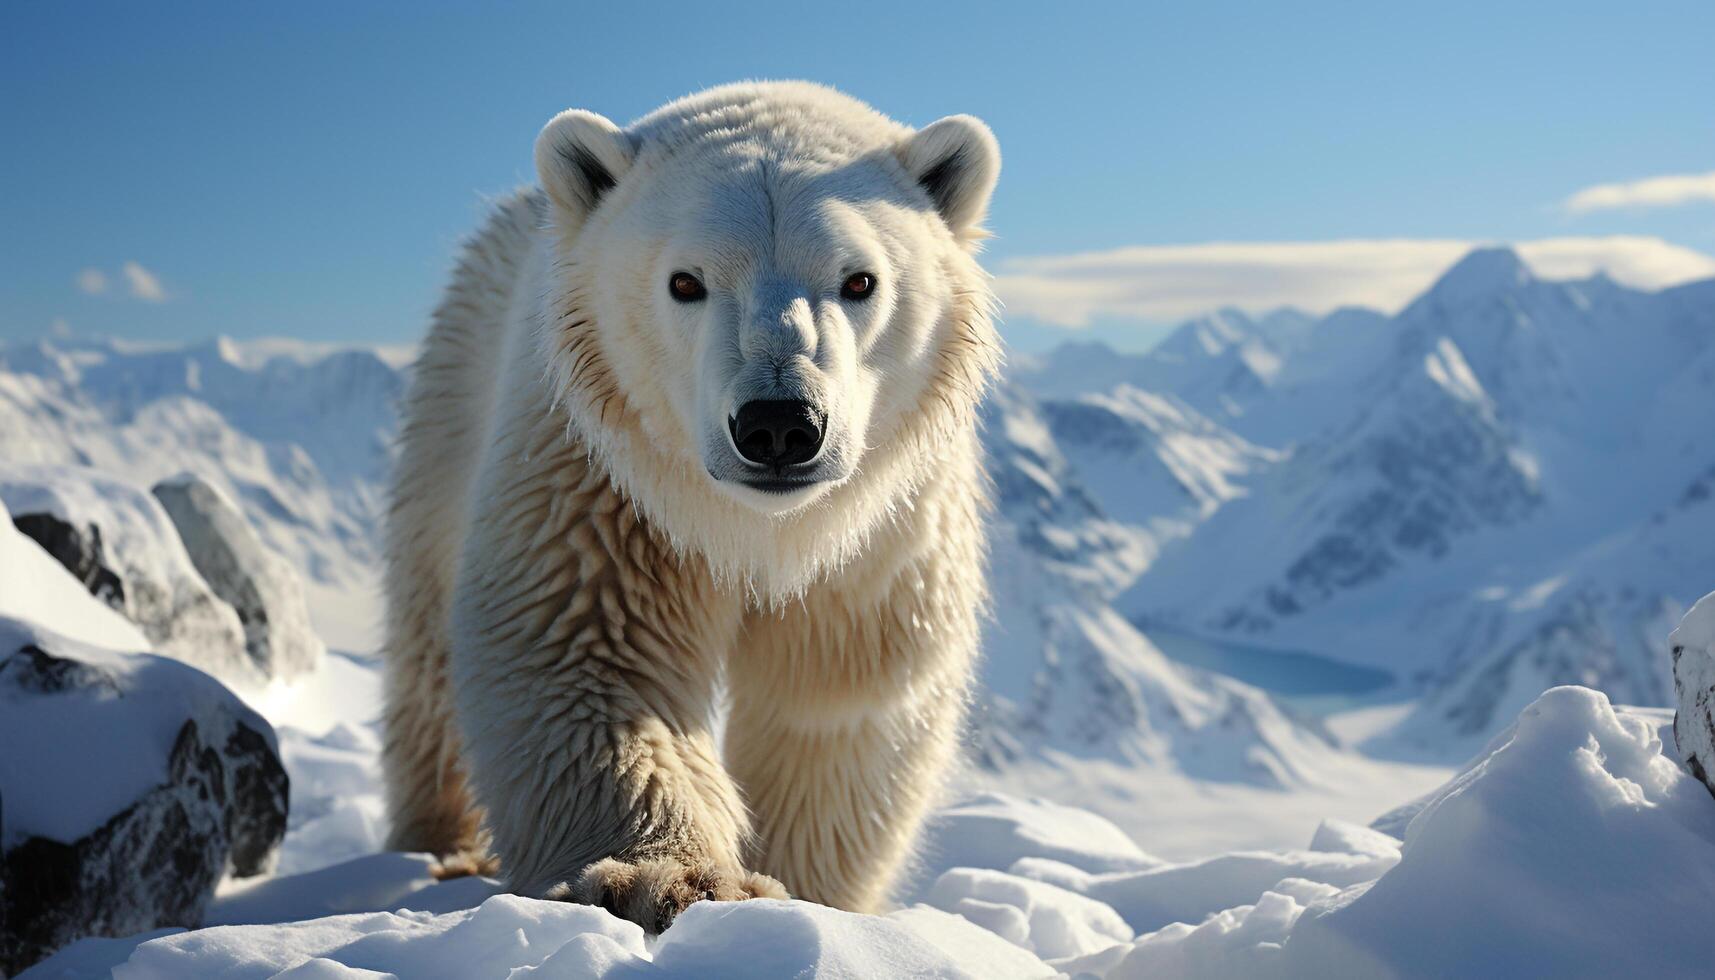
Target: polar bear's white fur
(576, 552)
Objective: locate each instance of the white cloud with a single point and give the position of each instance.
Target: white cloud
(145, 285)
(1171, 282)
(92, 281)
(1651, 192)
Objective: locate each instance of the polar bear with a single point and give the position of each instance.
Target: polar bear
(697, 421)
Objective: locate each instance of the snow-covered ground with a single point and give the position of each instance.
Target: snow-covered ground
(1574, 845)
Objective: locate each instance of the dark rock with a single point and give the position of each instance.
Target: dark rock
(79, 550)
(219, 805)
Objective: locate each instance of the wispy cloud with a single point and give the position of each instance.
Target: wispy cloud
(140, 283)
(92, 281)
(145, 285)
(1652, 192)
(1159, 283)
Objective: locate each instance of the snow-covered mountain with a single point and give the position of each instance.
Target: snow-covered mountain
(1064, 671)
(302, 442)
(1501, 488)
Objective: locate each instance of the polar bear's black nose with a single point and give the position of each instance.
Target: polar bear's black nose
(777, 433)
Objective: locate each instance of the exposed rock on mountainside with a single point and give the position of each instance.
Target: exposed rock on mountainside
(1429, 464)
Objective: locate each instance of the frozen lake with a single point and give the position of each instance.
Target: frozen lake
(1306, 680)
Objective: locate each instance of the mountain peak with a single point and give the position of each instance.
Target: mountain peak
(1483, 271)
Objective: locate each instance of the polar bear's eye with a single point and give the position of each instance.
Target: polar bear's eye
(685, 287)
(859, 286)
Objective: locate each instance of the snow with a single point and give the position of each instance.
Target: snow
(1573, 846)
(1047, 920)
(507, 936)
(1183, 819)
(991, 830)
(505, 929)
(371, 883)
(337, 811)
(1149, 900)
(327, 726)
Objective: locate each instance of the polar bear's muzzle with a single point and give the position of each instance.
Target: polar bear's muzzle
(778, 442)
(775, 452)
(777, 433)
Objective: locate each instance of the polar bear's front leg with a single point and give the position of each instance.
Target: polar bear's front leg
(584, 664)
(846, 721)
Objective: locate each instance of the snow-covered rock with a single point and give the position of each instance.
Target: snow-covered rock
(117, 540)
(260, 586)
(1693, 646)
(78, 549)
(130, 784)
(33, 585)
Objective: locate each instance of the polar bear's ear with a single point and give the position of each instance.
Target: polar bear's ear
(579, 157)
(957, 161)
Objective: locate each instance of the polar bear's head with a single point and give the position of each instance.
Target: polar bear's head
(769, 290)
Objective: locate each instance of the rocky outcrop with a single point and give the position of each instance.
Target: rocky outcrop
(259, 585)
(1693, 647)
(79, 550)
(129, 785)
(117, 541)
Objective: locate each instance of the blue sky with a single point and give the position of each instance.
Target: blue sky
(308, 169)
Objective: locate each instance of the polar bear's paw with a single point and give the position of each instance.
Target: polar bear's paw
(465, 864)
(653, 891)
